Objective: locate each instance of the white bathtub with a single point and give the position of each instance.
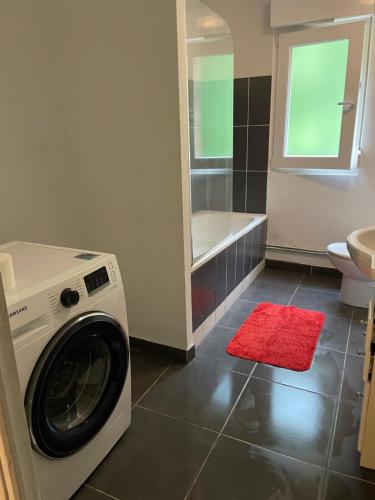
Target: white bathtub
(212, 232)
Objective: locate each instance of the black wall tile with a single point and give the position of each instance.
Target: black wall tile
(240, 260)
(260, 100)
(250, 153)
(239, 147)
(257, 148)
(203, 285)
(221, 277)
(231, 269)
(240, 105)
(239, 191)
(256, 197)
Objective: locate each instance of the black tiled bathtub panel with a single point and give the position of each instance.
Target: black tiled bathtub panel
(221, 277)
(263, 239)
(240, 260)
(231, 269)
(248, 248)
(215, 280)
(203, 291)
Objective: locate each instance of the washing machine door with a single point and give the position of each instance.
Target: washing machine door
(76, 384)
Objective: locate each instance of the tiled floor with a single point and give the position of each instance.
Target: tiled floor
(224, 428)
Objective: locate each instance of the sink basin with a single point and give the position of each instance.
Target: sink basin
(361, 246)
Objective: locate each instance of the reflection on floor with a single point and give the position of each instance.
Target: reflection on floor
(226, 428)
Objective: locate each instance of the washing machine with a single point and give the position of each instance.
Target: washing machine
(69, 328)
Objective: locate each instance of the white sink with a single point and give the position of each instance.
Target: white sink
(361, 246)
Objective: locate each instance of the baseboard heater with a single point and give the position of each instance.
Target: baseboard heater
(295, 250)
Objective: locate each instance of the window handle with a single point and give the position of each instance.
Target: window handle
(347, 105)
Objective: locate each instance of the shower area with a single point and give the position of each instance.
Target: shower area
(227, 246)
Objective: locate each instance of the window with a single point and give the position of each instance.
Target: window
(213, 106)
(318, 98)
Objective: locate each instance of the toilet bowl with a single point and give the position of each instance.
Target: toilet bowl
(356, 289)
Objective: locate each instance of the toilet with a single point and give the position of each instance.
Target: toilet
(356, 289)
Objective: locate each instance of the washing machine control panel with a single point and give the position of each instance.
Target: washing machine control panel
(96, 280)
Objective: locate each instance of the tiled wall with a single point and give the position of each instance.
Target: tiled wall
(252, 98)
(216, 279)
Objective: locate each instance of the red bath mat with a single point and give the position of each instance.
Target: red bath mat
(283, 336)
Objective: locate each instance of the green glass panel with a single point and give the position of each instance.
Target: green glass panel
(317, 84)
(213, 106)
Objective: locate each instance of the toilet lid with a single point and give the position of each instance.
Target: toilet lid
(340, 250)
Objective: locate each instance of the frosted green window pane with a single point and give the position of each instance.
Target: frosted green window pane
(317, 84)
(213, 106)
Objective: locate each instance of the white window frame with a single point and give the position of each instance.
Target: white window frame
(349, 151)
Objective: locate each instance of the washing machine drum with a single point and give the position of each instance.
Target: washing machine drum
(76, 384)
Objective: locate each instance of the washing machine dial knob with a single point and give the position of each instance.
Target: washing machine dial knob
(69, 297)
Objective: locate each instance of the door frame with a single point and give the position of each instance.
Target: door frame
(17, 475)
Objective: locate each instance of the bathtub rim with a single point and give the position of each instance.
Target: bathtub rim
(226, 242)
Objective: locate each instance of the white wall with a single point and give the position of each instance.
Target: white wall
(311, 212)
(295, 12)
(249, 21)
(122, 100)
(90, 151)
(305, 212)
(36, 174)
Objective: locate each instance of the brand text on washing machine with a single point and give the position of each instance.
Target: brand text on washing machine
(18, 311)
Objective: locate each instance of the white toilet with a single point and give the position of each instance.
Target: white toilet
(356, 289)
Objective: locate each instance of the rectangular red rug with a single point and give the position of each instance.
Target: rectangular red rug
(283, 336)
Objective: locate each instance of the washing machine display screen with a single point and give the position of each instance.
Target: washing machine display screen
(97, 279)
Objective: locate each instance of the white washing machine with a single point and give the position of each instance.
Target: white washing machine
(69, 328)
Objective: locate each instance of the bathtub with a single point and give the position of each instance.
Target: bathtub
(212, 232)
(228, 254)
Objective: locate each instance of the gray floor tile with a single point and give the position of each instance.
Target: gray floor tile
(345, 488)
(323, 301)
(353, 383)
(268, 292)
(146, 368)
(284, 419)
(197, 393)
(237, 314)
(89, 493)
(335, 334)
(324, 376)
(317, 282)
(276, 276)
(345, 456)
(240, 471)
(356, 338)
(360, 313)
(212, 351)
(157, 458)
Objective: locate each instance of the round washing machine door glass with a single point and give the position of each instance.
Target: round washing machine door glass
(76, 384)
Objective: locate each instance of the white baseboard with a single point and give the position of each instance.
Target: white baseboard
(200, 333)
